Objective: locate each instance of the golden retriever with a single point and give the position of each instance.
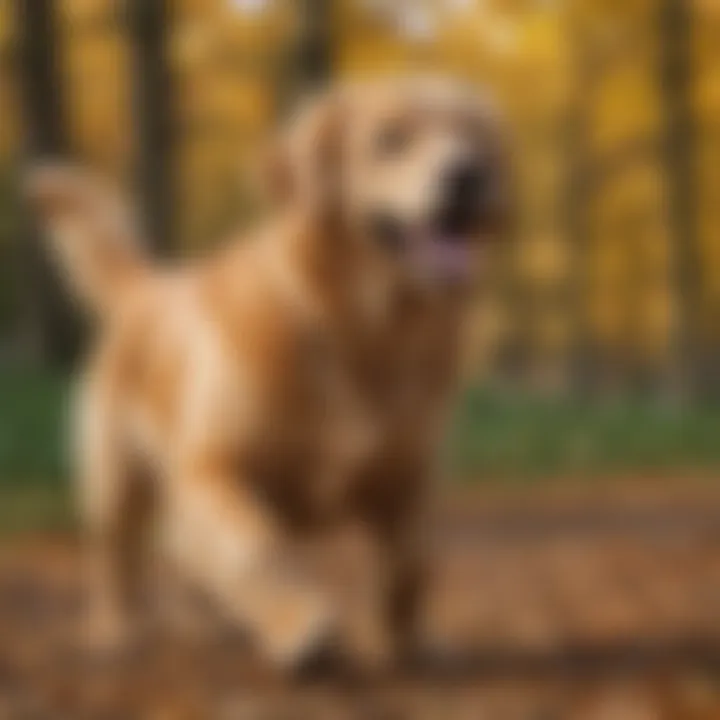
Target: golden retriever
(295, 379)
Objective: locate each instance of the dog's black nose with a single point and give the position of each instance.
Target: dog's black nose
(464, 182)
(464, 186)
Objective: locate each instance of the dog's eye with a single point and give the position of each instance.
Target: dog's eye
(393, 139)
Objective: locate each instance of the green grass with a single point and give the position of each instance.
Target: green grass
(495, 437)
(33, 426)
(504, 437)
(33, 442)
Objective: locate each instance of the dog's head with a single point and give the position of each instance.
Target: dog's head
(414, 170)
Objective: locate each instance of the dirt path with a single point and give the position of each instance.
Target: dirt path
(579, 605)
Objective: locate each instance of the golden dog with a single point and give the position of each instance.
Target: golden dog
(298, 377)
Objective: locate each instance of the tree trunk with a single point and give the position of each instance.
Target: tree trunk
(308, 64)
(49, 323)
(153, 113)
(675, 79)
(314, 52)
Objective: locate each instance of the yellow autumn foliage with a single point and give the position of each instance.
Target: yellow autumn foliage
(579, 81)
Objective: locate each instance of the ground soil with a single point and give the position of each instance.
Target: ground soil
(576, 603)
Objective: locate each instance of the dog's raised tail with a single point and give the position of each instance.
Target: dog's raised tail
(91, 232)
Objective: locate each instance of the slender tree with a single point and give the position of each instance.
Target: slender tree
(148, 22)
(577, 196)
(49, 320)
(314, 56)
(675, 84)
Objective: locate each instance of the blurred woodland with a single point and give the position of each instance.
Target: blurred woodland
(595, 343)
(612, 275)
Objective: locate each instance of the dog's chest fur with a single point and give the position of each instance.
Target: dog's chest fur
(322, 415)
(356, 416)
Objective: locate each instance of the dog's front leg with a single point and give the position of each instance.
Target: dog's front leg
(404, 569)
(231, 545)
(402, 578)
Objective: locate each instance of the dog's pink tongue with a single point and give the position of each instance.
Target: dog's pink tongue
(447, 256)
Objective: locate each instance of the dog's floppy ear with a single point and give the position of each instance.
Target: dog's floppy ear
(303, 166)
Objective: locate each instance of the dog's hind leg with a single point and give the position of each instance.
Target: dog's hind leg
(115, 503)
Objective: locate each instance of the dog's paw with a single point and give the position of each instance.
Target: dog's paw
(324, 659)
(431, 660)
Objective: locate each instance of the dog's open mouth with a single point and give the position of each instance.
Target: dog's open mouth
(444, 257)
(432, 253)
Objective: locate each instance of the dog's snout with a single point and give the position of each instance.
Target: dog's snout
(464, 187)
